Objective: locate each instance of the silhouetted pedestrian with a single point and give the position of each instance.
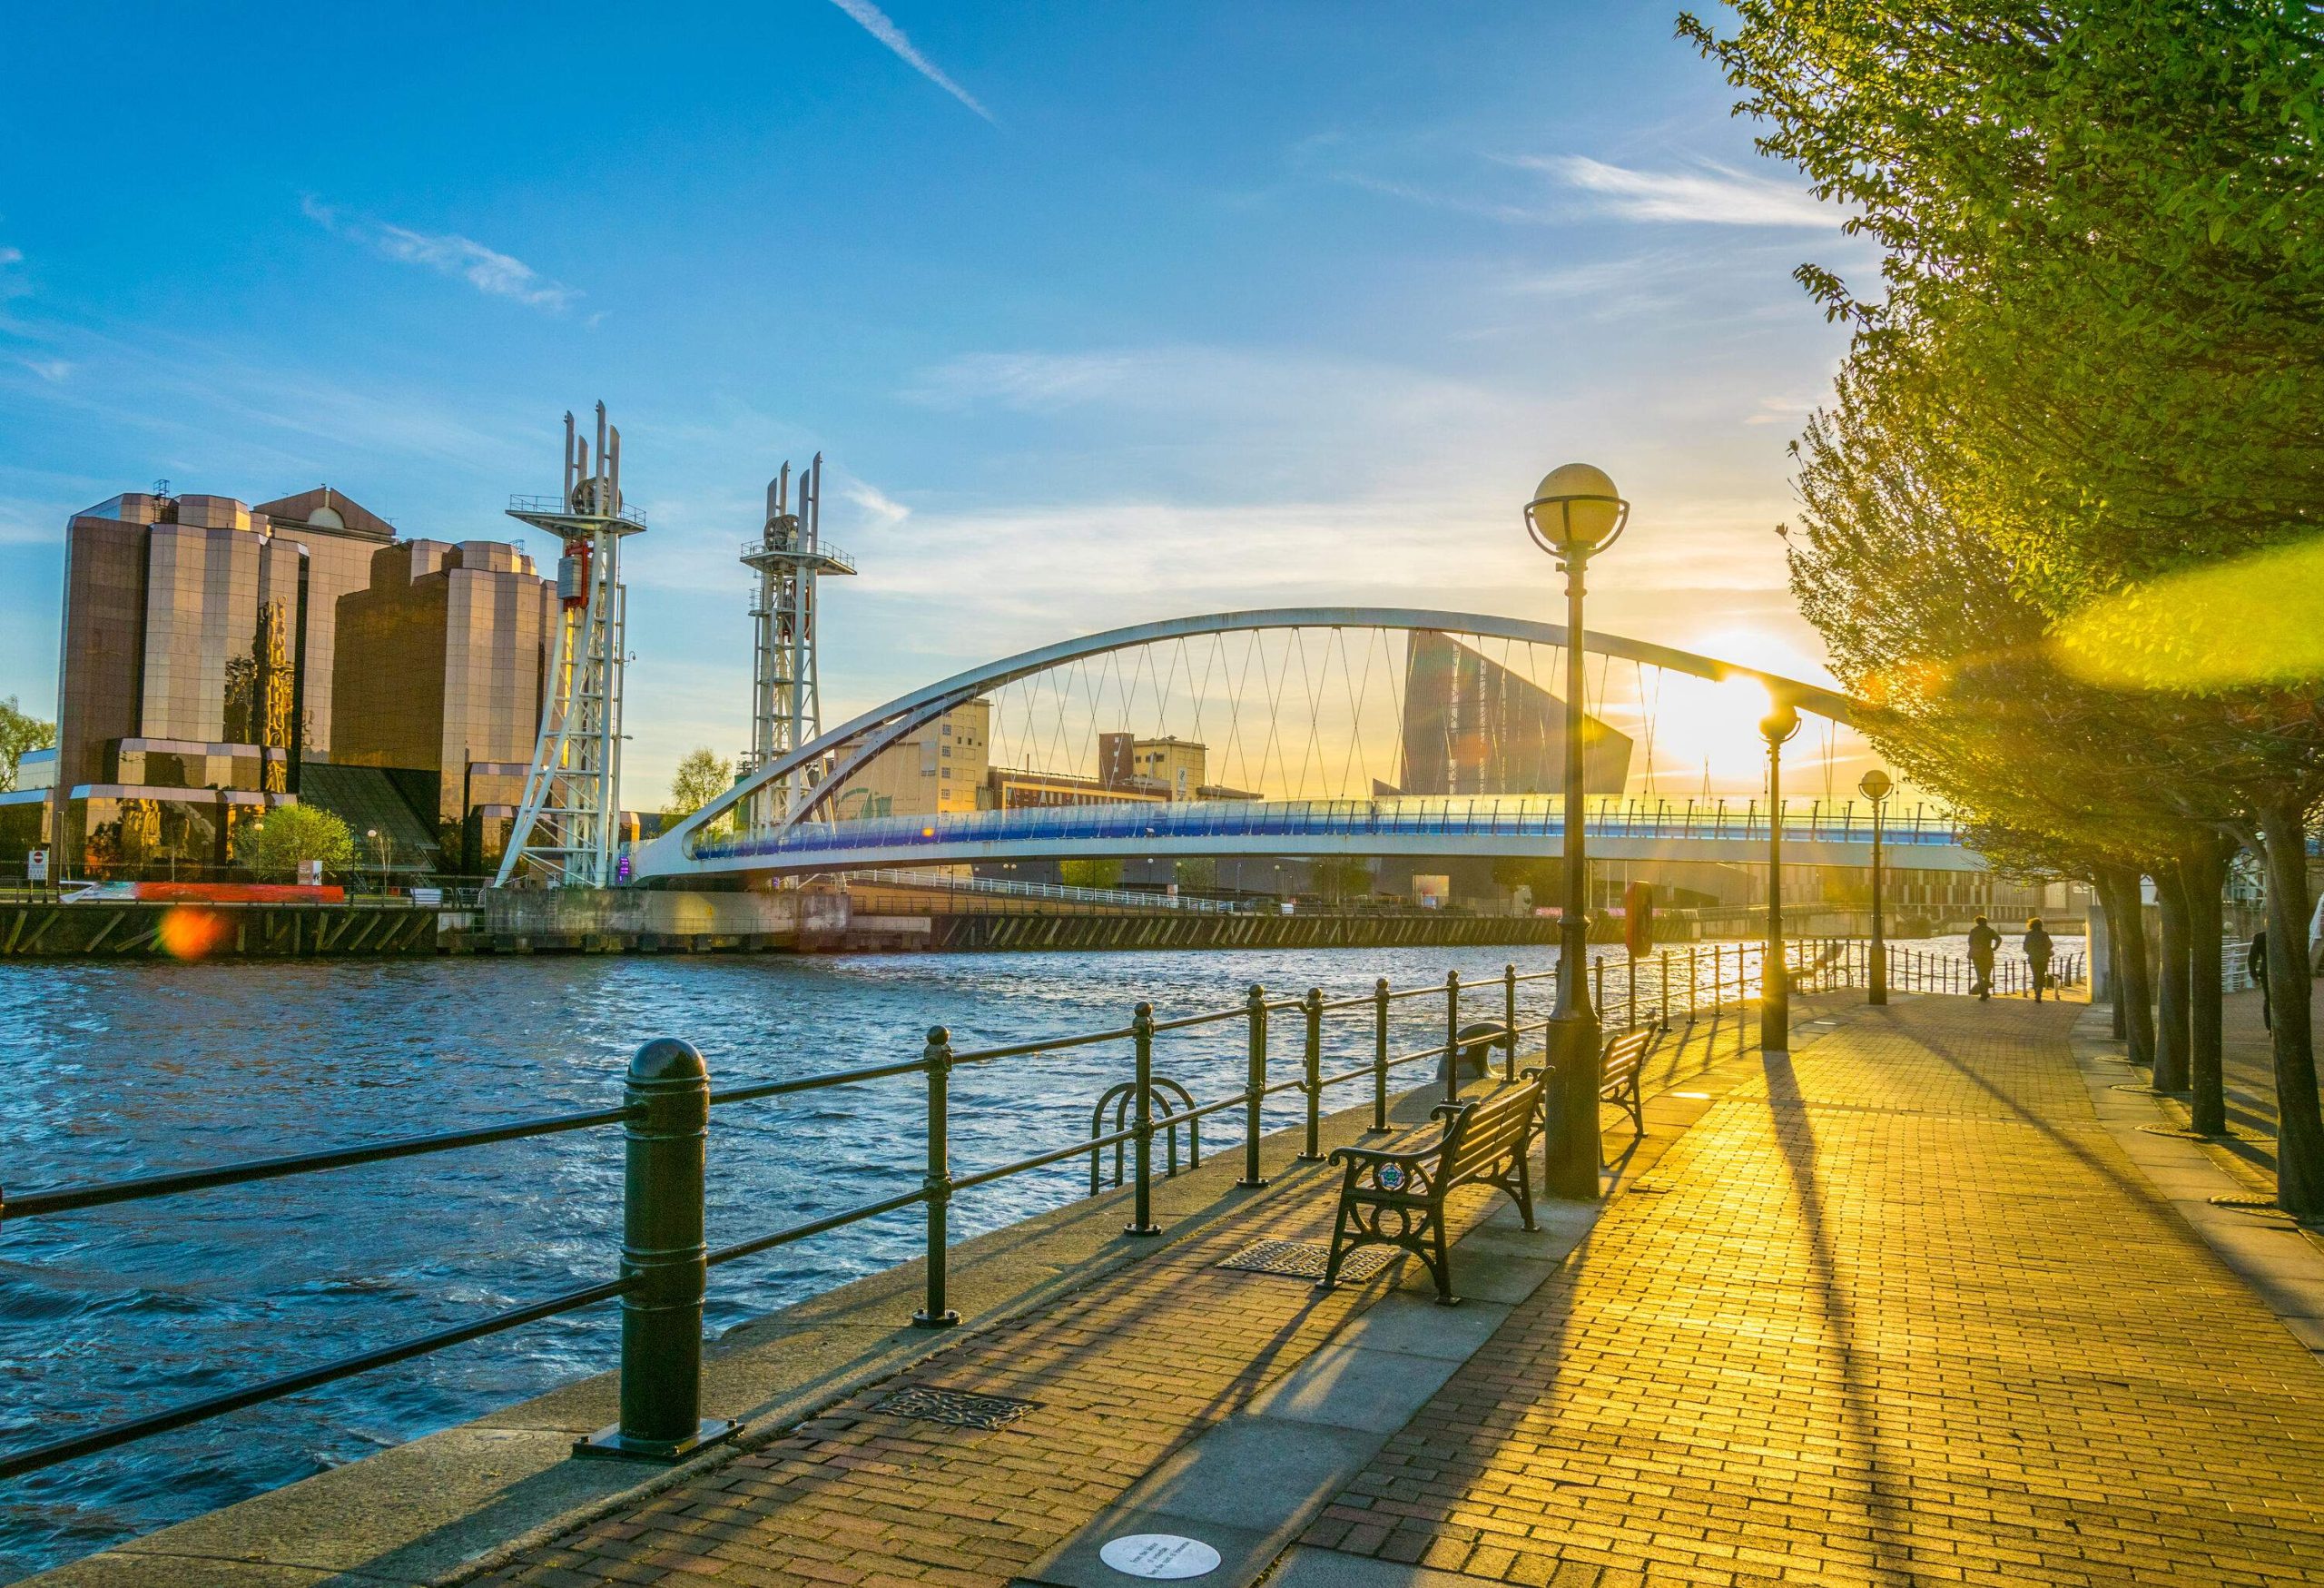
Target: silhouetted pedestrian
(1984, 943)
(2038, 948)
(2256, 962)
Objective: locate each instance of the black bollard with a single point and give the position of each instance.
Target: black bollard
(664, 1258)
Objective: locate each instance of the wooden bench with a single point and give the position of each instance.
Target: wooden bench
(1618, 1069)
(1397, 1199)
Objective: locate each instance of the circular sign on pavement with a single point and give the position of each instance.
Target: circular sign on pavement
(1159, 1555)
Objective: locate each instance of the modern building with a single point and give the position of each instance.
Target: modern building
(202, 650)
(1175, 767)
(1472, 726)
(940, 766)
(442, 661)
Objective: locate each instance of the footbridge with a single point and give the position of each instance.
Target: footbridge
(1295, 733)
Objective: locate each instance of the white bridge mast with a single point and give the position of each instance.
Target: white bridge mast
(567, 830)
(786, 697)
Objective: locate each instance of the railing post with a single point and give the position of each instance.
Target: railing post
(1312, 1006)
(935, 1313)
(664, 1260)
(1693, 984)
(1452, 1036)
(1598, 974)
(1509, 1018)
(1379, 1054)
(1254, 1005)
(1662, 987)
(1141, 1028)
(1631, 1002)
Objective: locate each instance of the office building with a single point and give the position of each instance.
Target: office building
(940, 766)
(442, 659)
(203, 652)
(1472, 726)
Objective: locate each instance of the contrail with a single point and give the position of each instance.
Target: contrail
(875, 23)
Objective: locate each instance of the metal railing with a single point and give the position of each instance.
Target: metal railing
(1062, 893)
(669, 1102)
(1499, 817)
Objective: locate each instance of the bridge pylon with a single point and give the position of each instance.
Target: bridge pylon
(786, 693)
(565, 832)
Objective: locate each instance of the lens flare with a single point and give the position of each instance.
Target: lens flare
(190, 932)
(2253, 622)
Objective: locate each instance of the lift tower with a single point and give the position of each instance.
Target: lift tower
(565, 832)
(786, 700)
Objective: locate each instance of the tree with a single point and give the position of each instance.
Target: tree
(2095, 366)
(275, 843)
(19, 732)
(1539, 873)
(1338, 880)
(701, 776)
(1090, 874)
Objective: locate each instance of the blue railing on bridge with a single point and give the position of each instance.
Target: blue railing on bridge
(1483, 816)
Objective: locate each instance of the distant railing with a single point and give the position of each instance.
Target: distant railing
(559, 508)
(668, 1104)
(1011, 888)
(1510, 816)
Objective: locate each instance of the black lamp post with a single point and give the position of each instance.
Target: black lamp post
(1575, 513)
(1775, 991)
(1876, 788)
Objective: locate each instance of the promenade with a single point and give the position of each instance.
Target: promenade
(1900, 1309)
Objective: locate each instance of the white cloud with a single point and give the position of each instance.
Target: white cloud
(875, 22)
(882, 509)
(48, 368)
(9, 256)
(489, 271)
(1714, 194)
(1027, 380)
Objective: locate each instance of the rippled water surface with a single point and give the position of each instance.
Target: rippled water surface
(116, 1071)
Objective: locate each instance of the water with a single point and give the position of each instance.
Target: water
(123, 1070)
(119, 1070)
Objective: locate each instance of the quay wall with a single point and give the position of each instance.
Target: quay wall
(801, 921)
(130, 930)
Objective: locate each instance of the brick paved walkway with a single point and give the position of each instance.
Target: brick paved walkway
(1897, 1313)
(1903, 1314)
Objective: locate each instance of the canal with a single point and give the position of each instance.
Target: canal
(118, 1071)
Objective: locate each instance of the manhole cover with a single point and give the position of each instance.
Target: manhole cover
(1650, 1188)
(2250, 1201)
(1159, 1555)
(958, 1407)
(1305, 1259)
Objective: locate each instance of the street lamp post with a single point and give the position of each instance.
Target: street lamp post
(1775, 991)
(1575, 513)
(1876, 788)
(380, 843)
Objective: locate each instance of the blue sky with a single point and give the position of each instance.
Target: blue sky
(1101, 312)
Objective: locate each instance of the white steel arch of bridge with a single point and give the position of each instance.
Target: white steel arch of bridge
(843, 752)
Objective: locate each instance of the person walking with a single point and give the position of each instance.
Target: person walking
(2038, 948)
(2255, 960)
(1984, 943)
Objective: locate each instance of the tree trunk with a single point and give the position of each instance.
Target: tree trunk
(2299, 1122)
(2172, 1030)
(2202, 870)
(2118, 895)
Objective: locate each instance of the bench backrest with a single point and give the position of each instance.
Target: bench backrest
(1625, 1053)
(1484, 1133)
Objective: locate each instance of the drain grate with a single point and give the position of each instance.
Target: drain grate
(1305, 1259)
(957, 1407)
